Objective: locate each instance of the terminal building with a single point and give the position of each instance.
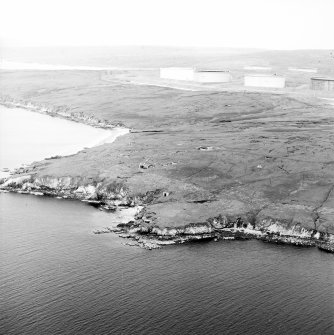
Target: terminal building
(196, 75)
(264, 80)
(322, 83)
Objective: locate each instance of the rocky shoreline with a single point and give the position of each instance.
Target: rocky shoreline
(107, 197)
(222, 228)
(143, 231)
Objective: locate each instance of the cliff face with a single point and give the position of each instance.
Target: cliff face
(225, 227)
(107, 195)
(268, 224)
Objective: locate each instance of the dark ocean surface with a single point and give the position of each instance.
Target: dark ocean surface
(57, 277)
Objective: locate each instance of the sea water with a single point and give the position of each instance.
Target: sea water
(57, 277)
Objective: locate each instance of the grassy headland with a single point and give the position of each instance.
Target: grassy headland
(197, 158)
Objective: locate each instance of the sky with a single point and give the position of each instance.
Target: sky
(268, 24)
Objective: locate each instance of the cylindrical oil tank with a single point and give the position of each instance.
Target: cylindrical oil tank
(322, 83)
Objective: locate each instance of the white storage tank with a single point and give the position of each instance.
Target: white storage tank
(263, 80)
(212, 76)
(322, 83)
(177, 73)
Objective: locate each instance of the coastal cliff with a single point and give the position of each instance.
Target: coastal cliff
(98, 194)
(226, 227)
(145, 231)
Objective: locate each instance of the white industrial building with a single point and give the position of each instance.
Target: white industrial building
(197, 75)
(264, 80)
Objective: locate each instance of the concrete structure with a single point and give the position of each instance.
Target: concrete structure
(212, 76)
(297, 69)
(264, 80)
(177, 73)
(322, 83)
